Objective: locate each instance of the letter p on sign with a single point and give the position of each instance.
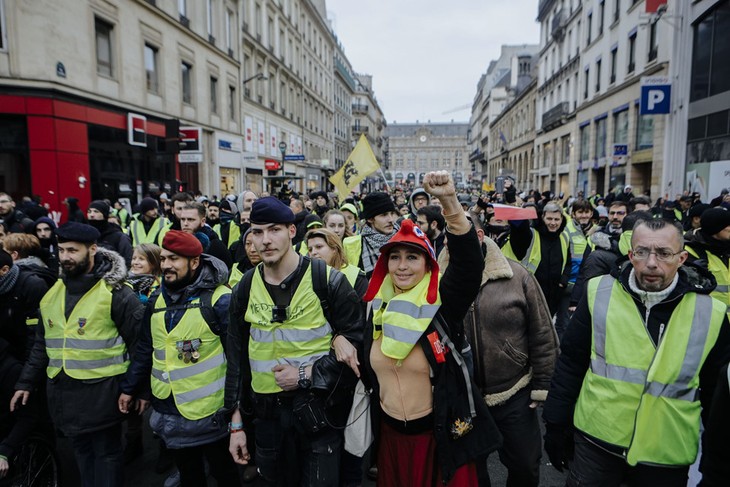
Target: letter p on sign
(655, 95)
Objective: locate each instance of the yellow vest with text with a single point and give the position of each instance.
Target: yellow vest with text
(638, 396)
(157, 231)
(353, 249)
(303, 338)
(197, 388)
(721, 273)
(533, 254)
(234, 233)
(87, 345)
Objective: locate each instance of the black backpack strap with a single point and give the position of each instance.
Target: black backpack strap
(319, 283)
(206, 309)
(244, 289)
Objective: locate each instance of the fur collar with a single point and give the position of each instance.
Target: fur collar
(495, 263)
(111, 267)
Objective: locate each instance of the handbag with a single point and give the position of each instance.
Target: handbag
(359, 432)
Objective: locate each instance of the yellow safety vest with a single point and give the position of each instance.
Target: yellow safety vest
(87, 345)
(301, 248)
(638, 396)
(235, 276)
(234, 233)
(577, 239)
(402, 318)
(353, 249)
(351, 272)
(157, 231)
(302, 338)
(196, 386)
(533, 255)
(721, 273)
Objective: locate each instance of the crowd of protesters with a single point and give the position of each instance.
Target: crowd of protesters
(244, 330)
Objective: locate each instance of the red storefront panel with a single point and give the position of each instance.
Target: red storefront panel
(12, 104)
(39, 106)
(71, 136)
(41, 133)
(71, 167)
(64, 109)
(44, 171)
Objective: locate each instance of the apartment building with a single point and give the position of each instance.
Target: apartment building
(367, 116)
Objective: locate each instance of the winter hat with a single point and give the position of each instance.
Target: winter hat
(229, 206)
(5, 259)
(349, 207)
(47, 220)
(182, 243)
(77, 232)
(314, 195)
(271, 210)
(698, 210)
(412, 236)
(375, 204)
(312, 221)
(147, 204)
(714, 220)
(101, 206)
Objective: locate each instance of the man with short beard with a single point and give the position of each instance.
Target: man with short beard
(180, 353)
(112, 237)
(192, 221)
(380, 216)
(431, 222)
(213, 216)
(14, 220)
(178, 202)
(90, 320)
(45, 229)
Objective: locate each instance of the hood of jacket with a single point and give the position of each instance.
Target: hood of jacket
(692, 278)
(110, 266)
(496, 265)
(415, 193)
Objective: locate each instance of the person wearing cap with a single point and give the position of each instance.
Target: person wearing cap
(351, 217)
(112, 236)
(638, 364)
(321, 202)
(90, 320)
(311, 222)
(181, 356)
(192, 221)
(74, 212)
(433, 424)
(380, 216)
(229, 228)
(286, 314)
(709, 247)
(148, 226)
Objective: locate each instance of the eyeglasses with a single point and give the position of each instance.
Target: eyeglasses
(621, 212)
(662, 255)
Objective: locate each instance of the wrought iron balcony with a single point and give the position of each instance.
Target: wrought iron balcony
(556, 115)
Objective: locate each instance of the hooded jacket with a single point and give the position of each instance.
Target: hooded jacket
(17, 222)
(510, 330)
(576, 345)
(702, 243)
(113, 238)
(49, 247)
(411, 208)
(85, 406)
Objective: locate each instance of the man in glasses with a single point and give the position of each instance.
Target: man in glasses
(639, 360)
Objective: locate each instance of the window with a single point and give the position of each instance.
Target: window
(598, 76)
(632, 53)
(209, 12)
(645, 131)
(587, 84)
(711, 49)
(589, 22)
(653, 48)
(182, 8)
(585, 142)
(103, 47)
(228, 21)
(601, 16)
(621, 127)
(150, 67)
(616, 10)
(232, 102)
(3, 41)
(601, 138)
(213, 94)
(187, 88)
(614, 55)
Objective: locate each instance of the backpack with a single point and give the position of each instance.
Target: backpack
(204, 303)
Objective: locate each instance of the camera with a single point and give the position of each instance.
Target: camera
(279, 314)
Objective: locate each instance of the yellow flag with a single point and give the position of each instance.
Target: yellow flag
(487, 187)
(358, 166)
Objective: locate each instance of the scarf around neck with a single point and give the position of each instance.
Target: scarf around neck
(7, 282)
(372, 241)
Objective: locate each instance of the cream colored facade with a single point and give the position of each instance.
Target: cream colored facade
(344, 84)
(512, 138)
(367, 116)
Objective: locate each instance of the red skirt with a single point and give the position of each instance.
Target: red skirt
(410, 461)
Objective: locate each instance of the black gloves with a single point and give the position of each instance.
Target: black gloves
(559, 445)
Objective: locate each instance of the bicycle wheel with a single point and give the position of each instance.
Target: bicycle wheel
(36, 465)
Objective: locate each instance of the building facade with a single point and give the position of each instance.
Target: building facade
(367, 116)
(344, 89)
(417, 148)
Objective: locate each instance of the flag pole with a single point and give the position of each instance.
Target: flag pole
(387, 186)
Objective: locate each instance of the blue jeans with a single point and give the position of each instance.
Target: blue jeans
(286, 456)
(100, 457)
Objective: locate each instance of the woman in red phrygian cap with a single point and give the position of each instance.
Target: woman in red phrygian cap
(433, 425)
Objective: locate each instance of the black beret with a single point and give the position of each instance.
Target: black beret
(375, 204)
(77, 232)
(5, 259)
(271, 210)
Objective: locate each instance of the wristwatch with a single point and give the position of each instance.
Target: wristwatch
(304, 383)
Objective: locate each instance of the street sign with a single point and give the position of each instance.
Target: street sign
(620, 154)
(294, 157)
(271, 165)
(656, 95)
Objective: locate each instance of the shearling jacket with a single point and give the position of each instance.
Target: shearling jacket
(513, 340)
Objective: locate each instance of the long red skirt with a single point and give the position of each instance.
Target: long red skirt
(410, 461)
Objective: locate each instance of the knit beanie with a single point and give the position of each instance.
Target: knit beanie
(101, 206)
(714, 220)
(375, 204)
(147, 204)
(410, 235)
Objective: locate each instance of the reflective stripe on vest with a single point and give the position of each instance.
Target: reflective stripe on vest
(533, 254)
(197, 387)
(157, 232)
(633, 389)
(721, 272)
(303, 338)
(353, 249)
(576, 239)
(88, 344)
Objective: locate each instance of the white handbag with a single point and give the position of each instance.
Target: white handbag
(359, 432)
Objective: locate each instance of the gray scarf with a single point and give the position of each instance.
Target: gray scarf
(7, 282)
(372, 240)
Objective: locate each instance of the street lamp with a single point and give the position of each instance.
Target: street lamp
(258, 76)
(282, 149)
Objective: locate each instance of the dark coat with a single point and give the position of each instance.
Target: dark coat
(17, 222)
(14, 427)
(85, 406)
(217, 248)
(715, 462)
(458, 289)
(596, 262)
(113, 238)
(301, 226)
(576, 345)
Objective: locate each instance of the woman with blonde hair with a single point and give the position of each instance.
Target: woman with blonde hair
(326, 245)
(336, 221)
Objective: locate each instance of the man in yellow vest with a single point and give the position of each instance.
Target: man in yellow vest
(180, 353)
(148, 226)
(286, 314)
(380, 217)
(710, 247)
(639, 361)
(90, 319)
(544, 251)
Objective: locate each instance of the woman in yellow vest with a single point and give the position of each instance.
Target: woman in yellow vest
(335, 221)
(434, 424)
(326, 245)
(248, 259)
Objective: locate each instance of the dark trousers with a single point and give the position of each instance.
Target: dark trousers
(289, 457)
(522, 446)
(189, 462)
(562, 318)
(594, 467)
(100, 457)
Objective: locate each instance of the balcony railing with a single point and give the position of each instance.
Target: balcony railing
(556, 115)
(359, 108)
(558, 25)
(360, 129)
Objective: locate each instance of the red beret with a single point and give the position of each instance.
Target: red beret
(182, 243)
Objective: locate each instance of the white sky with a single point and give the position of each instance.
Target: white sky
(426, 56)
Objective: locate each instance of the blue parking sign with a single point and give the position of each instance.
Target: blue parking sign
(656, 95)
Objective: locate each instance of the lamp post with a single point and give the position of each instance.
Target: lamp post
(258, 76)
(282, 149)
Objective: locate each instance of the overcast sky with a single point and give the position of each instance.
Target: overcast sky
(426, 56)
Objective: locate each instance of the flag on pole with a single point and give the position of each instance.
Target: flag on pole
(358, 166)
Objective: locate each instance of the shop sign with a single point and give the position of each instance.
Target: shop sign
(137, 130)
(272, 165)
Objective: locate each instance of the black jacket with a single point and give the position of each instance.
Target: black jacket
(85, 406)
(458, 289)
(113, 238)
(217, 248)
(301, 226)
(17, 222)
(576, 345)
(596, 262)
(715, 462)
(14, 427)
(344, 316)
(702, 244)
